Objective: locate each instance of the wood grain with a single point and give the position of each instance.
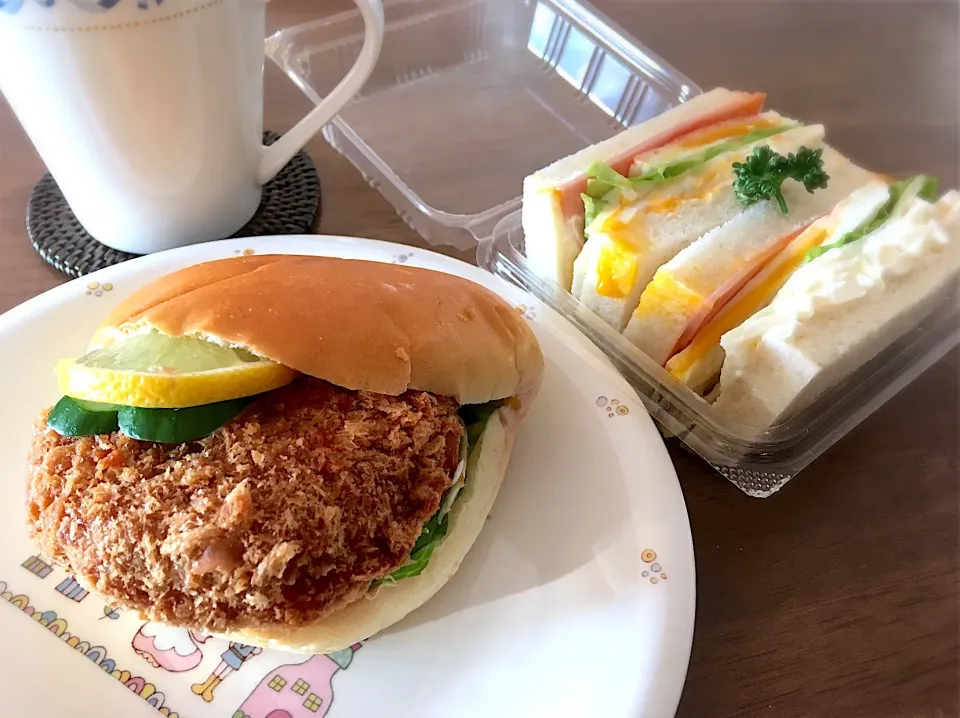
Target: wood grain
(838, 596)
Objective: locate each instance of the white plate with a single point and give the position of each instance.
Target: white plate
(577, 600)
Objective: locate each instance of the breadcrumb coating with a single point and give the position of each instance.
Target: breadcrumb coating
(282, 516)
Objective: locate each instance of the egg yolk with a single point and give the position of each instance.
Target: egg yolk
(616, 270)
(707, 183)
(749, 302)
(723, 131)
(667, 295)
(619, 257)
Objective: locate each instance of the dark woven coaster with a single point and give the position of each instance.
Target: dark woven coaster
(290, 205)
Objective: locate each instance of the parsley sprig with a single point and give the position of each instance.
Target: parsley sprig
(760, 177)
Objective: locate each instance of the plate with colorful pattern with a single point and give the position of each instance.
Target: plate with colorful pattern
(577, 600)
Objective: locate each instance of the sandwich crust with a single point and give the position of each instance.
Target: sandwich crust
(361, 325)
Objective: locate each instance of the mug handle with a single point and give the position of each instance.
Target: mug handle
(276, 156)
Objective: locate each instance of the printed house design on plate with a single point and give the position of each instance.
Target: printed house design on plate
(299, 690)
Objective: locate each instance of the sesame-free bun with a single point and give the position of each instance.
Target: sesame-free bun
(364, 326)
(358, 324)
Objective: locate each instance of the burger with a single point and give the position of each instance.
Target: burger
(287, 451)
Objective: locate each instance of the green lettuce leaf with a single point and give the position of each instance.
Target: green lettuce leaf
(431, 536)
(475, 418)
(666, 172)
(923, 186)
(591, 209)
(602, 179)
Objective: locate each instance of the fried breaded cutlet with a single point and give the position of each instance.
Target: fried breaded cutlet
(284, 515)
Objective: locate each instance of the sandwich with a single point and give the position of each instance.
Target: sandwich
(740, 252)
(698, 364)
(291, 452)
(554, 199)
(855, 292)
(686, 291)
(647, 219)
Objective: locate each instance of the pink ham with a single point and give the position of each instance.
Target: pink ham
(719, 299)
(743, 104)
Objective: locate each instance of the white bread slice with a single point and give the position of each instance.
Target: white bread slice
(837, 312)
(695, 142)
(698, 365)
(552, 240)
(551, 217)
(667, 218)
(698, 281)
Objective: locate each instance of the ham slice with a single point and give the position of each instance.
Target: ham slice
(741, 104)
(718, 300)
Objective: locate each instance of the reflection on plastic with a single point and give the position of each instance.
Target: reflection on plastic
(585, 64)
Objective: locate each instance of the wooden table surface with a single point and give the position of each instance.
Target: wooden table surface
(839, 596)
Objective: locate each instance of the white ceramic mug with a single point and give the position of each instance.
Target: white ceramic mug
(149, 113)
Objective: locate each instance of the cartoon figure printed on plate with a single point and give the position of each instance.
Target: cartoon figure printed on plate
(613, 407)
(171, 648)
(297, 690)
(233, 658)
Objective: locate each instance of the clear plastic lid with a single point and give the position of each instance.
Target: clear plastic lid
(469, 97)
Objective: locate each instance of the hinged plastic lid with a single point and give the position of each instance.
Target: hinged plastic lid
(470, 96)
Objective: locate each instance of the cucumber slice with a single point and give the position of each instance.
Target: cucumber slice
(95, 405)
(901, 194)
(71, 417)
(923, 186)
(178, 426)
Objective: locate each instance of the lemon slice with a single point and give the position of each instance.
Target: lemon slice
(153, 370)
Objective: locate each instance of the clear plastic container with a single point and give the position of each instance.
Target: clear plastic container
(758, 464)
(470, 96)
